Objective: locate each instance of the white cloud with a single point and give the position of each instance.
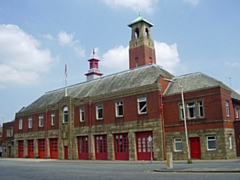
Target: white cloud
(118, 58)
(66, 39)
(48, 36)
(136, 5)
(21, 59)
(233, 64)
(192, 2)
(167, 56)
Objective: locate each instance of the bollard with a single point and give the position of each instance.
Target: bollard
(169, 161)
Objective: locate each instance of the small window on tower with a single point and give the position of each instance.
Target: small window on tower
(136, 33)
(147, 33)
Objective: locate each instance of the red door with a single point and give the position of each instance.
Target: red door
(144, 147)
(121, 146)
(83, 147)
(65, 152)
(20, 149)
(195, 147)
(54, 148)
(41, 148)
(30, 149)
(101, 147)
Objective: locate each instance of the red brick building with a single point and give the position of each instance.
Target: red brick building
(132, 115)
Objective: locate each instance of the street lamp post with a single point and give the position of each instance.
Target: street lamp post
(185, 125)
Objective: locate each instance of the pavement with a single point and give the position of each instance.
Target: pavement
(197, 166)
(203, 166)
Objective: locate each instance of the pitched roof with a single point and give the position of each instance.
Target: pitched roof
(140, 19)
(137, 77)
(196, 81)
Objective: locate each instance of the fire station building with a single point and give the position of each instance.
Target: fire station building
(136, 114)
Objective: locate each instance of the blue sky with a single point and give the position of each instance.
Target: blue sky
(37, 38)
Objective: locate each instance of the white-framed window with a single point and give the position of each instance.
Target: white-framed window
(9, 132)
(20, 123)
(40, 122)
(200, 109)
(177, 144)
(99, 111)
(236, 112)
(30, 122)
(191, 109)
(181, 111)
(65, 114)
(230, 142)
(142, 105)
(119, 108)
(81, 113)
(211, 143)
(227, 108)
(53, 119)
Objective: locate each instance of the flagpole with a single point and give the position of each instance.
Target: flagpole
(65, 80)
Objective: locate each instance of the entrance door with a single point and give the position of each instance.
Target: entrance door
(83, 147)
(30, 149)
(54, 148)
(144, 147)
(101, 147)
(9, 151)
(195, 147)
(41, 148)
(65, 152)
(20, 149)
(121, 146)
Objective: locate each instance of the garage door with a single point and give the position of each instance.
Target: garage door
(121, 146)
(101, 147)
(83, 147)
(54, 148)
(20, 149)
(41, 148)
(144, 147)
(30, 149)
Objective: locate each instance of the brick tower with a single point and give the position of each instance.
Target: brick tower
(141, 46)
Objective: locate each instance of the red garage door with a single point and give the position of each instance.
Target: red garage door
(101, 147)
(41, 148)
(83, 147)
(121, 146)
(20, 149)
(30, 149)
(144, 146)
(54, 148)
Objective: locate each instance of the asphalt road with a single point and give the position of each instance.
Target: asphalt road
(22, 169)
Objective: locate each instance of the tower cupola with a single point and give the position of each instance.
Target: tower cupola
(141, 45)
(93, 71)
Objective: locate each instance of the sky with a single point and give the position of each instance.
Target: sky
(37, 39)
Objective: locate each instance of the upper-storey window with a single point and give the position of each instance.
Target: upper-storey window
(53, 119)
(30, 122)
(20, 123)
(99, 111)
(40, 118)
(9, 132)
(227, 108)
(181, 111)
(82, 115)
(142, 105)
(236, 112)
(119, 108)
(65, 114)
(200, 109)
(191, 109)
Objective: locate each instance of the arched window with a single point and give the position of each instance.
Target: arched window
(147, 33)
(136, 33)
(65, 114)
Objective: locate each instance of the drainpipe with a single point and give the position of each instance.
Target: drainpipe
(90, 130)
(163, 129)
(46, 133)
